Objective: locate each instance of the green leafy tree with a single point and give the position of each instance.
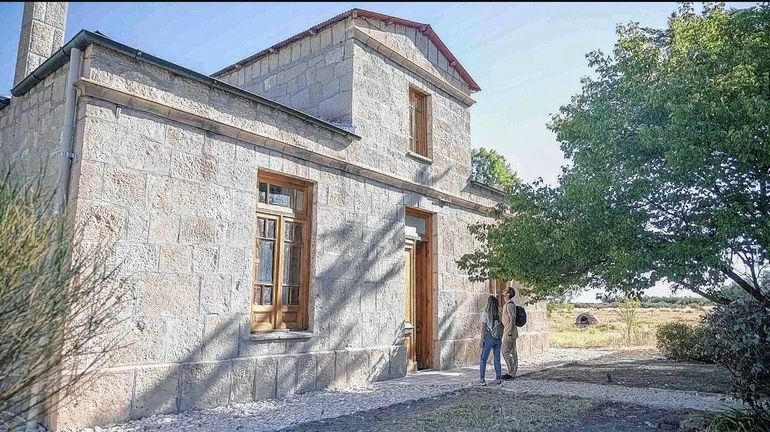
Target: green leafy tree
(490, 168)
(669, 172)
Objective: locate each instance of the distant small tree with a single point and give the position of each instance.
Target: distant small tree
(58, 300)
(490, 168)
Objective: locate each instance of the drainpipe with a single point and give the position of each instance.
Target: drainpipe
(67, 137)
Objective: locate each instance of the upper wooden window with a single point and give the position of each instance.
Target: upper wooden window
(280, 290)
(419, 107)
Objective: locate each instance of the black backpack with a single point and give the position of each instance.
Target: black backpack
(521, 316)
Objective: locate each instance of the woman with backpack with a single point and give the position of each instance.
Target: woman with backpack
(491, 339)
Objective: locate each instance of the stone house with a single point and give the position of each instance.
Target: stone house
(289, 223)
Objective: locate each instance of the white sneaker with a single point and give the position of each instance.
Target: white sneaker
(480, 382)
(497, 382)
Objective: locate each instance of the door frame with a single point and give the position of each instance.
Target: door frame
(428, 338)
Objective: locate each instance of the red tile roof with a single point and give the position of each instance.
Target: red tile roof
(421, 27)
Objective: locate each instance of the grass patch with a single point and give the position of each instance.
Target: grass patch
(609, 331)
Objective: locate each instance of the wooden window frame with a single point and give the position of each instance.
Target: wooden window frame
(420, 143)
(277, 311)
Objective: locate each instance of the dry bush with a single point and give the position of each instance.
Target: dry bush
(58, 296)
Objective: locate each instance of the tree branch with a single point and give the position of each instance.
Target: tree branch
(755, 292)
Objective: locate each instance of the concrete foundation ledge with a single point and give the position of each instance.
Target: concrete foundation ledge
(120, 394)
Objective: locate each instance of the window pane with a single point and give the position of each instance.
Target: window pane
(288, 232)
(267, 295)
(261, 227)
(299, 200)
(262, 192)
(280, 196)
(265, 270)
(257, 294)
(270, 229)
(291, 266)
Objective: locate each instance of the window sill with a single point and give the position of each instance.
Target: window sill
(280, 335)
(419, 157)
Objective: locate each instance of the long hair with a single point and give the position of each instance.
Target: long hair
(493, 311)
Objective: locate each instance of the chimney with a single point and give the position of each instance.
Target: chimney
(42, 33)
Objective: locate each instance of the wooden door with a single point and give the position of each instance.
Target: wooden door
(409, 301)
(422, 297)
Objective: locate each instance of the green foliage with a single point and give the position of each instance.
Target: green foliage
(737, 420)
(490, 168)
(559, 307)
(669, 174)
(682, 342)
(57, 298)
(738, 338)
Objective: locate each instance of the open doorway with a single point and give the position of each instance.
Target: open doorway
(418, 291)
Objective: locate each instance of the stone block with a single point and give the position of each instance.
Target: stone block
(102, 222)
(184, 138)
(222, 336)
(135, 257)
(167, 295)
(398, 361)
(379, 364)
(358, 368)
(306, 373)
(138, 341)
(243, 374)
(160, 192)
(264, 378)
(138, 225)
(325, 376)
(215, 293)
(197, 230)
(164, 228)
(204, 260)
(184, 338)
(192, 167)
(204, 385)
(176, 258)
(143, 124)
(106, 400)
(124, 187)
(155, 392)
(286, 377)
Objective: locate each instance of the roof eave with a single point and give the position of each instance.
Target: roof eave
(85, 38)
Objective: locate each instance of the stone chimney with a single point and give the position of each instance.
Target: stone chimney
(42, 33)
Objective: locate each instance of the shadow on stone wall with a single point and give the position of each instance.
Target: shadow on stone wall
(357, 303)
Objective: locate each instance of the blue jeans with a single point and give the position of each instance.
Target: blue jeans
(490, 344)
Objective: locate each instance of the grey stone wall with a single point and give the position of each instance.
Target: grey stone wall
(179, 205)
(415, 46)
(380, 113)
(178, 202)
(314, 74)
(30, 128)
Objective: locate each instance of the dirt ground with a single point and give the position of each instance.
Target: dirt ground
(642, 368)
(489, 409)
(492, 410)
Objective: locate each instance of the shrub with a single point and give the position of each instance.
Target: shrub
(738, 338)
(682, 342)
(58, 297)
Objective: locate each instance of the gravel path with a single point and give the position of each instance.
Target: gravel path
(278, 414)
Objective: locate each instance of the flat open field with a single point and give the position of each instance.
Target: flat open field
(609, 331)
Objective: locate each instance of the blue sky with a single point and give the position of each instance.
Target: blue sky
(528, 58)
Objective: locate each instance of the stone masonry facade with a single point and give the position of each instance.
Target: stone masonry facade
(166, 167)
